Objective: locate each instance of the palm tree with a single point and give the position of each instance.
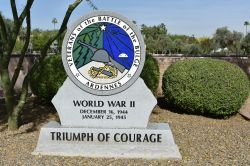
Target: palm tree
(54, 21)
(246, 23)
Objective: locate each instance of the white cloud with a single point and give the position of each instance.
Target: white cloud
(123, 55)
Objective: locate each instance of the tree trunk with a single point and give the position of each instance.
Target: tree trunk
(9, 100)
(13, 121)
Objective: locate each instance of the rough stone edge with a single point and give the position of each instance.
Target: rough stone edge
(176, 157)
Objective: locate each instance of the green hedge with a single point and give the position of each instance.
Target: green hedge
(206, 86)
(150, 73)
(48, 78)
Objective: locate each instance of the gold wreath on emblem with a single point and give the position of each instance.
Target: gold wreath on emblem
(105, 72)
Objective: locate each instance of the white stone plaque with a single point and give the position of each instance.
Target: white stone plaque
(128, 109)
(154, 142)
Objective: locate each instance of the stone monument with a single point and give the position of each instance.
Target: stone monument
(103, 105)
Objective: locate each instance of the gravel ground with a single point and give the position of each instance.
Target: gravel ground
(201, 140)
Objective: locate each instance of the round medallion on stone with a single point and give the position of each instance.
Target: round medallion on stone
(103, 53)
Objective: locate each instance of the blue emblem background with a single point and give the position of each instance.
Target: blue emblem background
(116, 41)
(113, 39)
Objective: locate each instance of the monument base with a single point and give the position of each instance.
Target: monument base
(154, 142)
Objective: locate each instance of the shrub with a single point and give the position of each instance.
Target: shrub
(206, 86)
(150, 73)
(48, 78)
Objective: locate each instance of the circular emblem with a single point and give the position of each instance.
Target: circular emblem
(103, 53)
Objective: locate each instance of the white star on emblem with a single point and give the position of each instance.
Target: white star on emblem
(103, 27)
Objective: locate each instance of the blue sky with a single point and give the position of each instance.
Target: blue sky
(198, 17)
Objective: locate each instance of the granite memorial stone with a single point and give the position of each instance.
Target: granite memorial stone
(103, 105)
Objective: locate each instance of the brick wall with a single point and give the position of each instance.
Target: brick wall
(27, 63)
(164, 63)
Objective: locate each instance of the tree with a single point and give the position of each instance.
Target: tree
(192, 49)
(246, 23)
(7, 44)
(235, 42)
(155, 37)
(246, 44)
(39, 37)
(154, 31)
(150, 45)
(206, 45)
(177, 46)
(185, 39)
(223, 37)
(164, 44)
(18, 46)
(227, 39)
(54, 21)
